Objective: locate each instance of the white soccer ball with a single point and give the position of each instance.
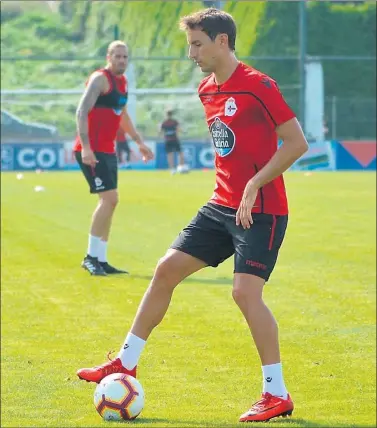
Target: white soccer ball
(119, 397)
(183, 169)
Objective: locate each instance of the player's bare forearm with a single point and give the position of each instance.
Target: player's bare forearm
(128, 127)
(87, 102)
(279, 163)
(82, 127)
(293, 147)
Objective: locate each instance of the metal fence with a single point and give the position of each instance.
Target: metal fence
(345, 117)
(350, 118)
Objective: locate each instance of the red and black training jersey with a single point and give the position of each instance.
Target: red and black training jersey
(242, 115)
(169, 128)
(104, 118)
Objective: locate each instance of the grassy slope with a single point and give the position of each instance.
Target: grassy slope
(150, 28)
(200, 367)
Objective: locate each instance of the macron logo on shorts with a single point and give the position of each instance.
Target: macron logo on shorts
(256, 264)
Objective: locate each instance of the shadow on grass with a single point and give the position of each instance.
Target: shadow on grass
(281, 422)
(288, 422)
(214, 281)
(306, 423)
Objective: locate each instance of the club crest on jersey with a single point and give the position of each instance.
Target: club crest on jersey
(230, 107)
(223, 137)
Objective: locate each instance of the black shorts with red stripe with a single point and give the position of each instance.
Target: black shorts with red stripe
(102, 177)
(213, 236)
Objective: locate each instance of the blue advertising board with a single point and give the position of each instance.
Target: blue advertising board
(59, 156)
(355, 155)
(23, 157)
(322, 155)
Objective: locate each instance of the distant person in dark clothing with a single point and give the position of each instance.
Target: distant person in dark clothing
(170, 129)
(122, 147)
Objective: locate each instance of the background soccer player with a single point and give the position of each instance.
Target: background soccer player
(102, 109)
(122, 146)
(247, 214)
(170, 129)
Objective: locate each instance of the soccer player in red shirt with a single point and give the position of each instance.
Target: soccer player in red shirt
(100, 113)
(247, 214)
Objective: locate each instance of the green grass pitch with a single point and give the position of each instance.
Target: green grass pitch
(200, 367)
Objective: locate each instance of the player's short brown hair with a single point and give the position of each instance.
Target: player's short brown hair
(211, 21)
(114, 45)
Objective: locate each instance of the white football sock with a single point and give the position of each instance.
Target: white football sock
(102, 251)
(130, 352)
(273, 381)
(93, 245)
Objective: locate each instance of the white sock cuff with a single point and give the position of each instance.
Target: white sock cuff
(135, 340)
(93, 245)
(272, 366)
(102, 251)
(273, 381)
(131, 350)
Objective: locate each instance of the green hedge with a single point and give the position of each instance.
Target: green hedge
(333, 29)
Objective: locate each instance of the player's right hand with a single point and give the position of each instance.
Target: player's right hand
(146, 152)
(88, 157)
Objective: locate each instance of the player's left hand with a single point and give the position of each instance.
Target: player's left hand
(243, 215)
(146, 152)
